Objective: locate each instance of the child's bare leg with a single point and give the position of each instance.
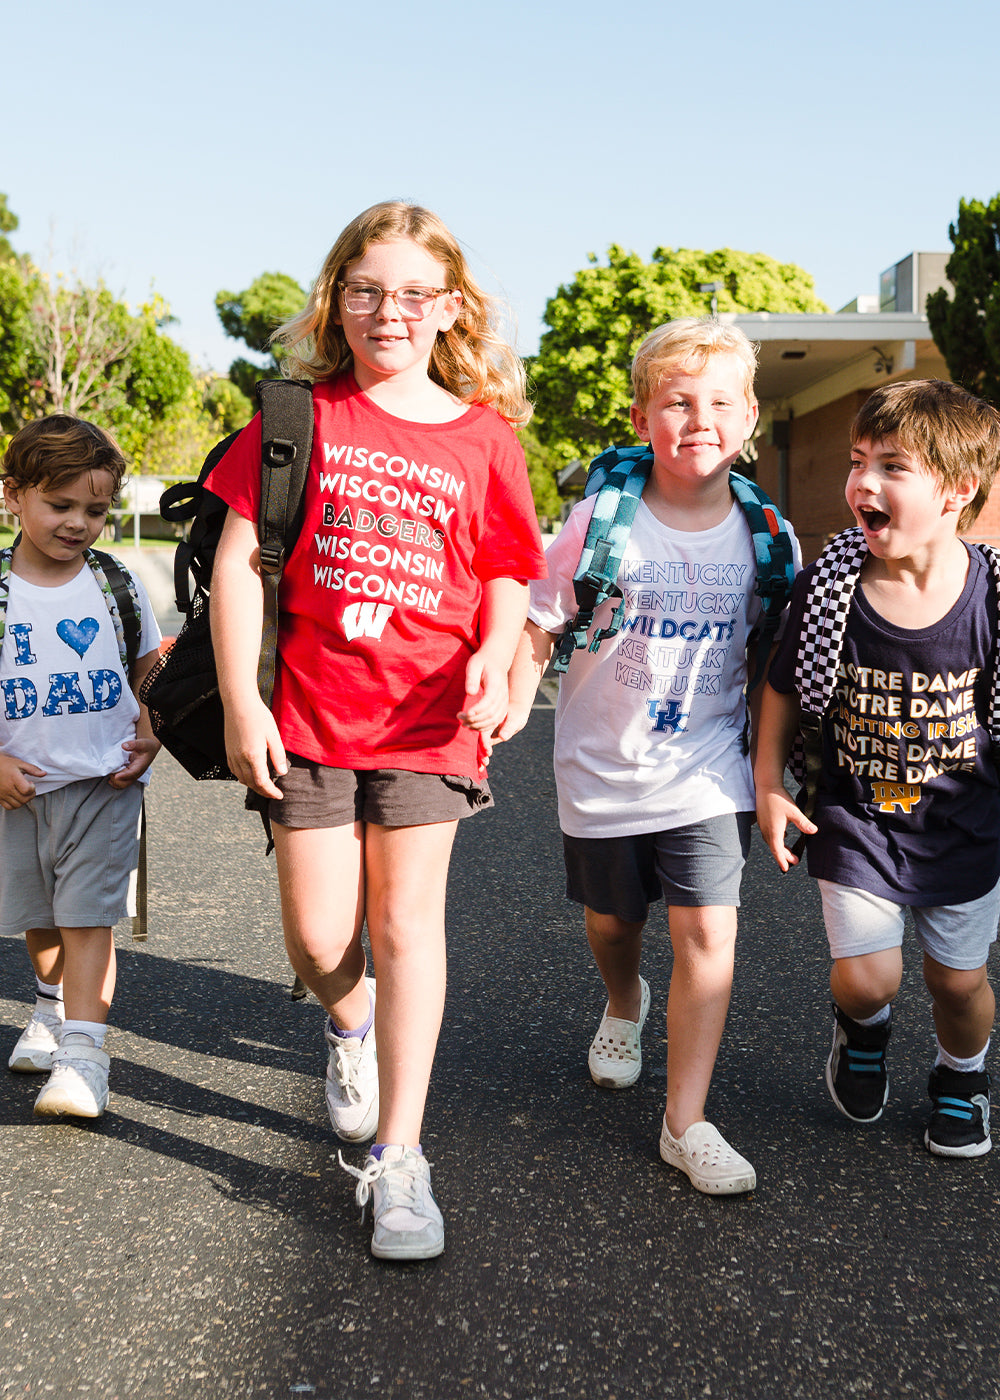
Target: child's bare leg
(89, 970)
(617, 948)
(45, 949)
(704, 943)
(322, 912)
(861, 986)
(406, 872)
(964, 1007)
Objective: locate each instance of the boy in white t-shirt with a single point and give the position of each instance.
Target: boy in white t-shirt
(75, 744)
(654, 784)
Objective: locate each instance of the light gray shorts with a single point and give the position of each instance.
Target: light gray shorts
(67, 857)
(954, 935)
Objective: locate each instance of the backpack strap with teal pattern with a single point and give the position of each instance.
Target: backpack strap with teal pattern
(618, 476)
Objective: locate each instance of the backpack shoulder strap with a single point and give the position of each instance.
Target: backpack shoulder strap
(775, 561)
(824, 620)
(993, 559)
(286, 435)
(116, 584)
(618, 477)
(821, 641)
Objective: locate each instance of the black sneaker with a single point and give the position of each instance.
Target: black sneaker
(855, 1071)
(960, 1123)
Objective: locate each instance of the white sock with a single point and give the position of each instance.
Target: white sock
(970, 1066)
(47, 994)
(93, 1029)
(879, 1019)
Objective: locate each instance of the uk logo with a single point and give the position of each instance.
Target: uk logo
(366, 619)
(667, 718)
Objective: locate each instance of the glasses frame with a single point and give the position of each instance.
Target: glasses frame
(435, 292)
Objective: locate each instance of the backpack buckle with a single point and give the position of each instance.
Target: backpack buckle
(279, 452)
(271, 557)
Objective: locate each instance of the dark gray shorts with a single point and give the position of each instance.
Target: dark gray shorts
(318, 796)
(67, 857)
(697, 866)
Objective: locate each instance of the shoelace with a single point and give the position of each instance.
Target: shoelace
(402, 1183)
(346, 1064)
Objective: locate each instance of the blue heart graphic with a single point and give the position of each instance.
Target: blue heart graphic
(78, 635)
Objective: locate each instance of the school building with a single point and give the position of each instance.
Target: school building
(814, 373)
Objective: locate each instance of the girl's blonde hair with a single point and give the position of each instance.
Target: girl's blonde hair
(471, 360)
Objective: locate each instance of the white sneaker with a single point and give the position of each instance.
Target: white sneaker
(615, 1058)
(352, 1081)
(704, 1154)
(38, 1042)
(408, 1224)
(78, 1084)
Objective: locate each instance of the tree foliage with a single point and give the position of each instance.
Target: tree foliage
(966, 326)
(70, 347)
(543, 466)
(580, 376)
(252, 316)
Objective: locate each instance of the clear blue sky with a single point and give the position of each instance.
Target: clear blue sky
(193, 146)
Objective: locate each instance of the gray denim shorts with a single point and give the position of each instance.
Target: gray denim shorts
(318, 796)
(67, 857)
(697, 866)
(955, 935)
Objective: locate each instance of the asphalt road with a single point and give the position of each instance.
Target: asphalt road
(201, 1239)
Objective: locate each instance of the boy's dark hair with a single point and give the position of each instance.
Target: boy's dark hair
(51, 451)
(954, 434)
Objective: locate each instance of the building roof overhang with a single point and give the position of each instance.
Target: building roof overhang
(808, 360)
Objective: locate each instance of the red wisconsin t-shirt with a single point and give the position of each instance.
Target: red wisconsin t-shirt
(379, 603)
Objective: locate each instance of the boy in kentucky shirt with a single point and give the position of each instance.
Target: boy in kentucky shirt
(654, 782)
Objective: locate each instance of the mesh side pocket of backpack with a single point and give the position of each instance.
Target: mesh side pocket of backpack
(181, 693)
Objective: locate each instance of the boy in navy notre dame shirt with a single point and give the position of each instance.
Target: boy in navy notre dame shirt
(907, 810)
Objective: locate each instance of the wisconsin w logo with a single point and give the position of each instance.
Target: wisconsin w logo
(366, 619)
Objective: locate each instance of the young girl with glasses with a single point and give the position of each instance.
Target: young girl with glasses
(401, 607)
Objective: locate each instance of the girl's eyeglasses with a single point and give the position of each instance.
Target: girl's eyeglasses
(412, 303)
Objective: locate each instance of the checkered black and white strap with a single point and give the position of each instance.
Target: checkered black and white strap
(824, 620)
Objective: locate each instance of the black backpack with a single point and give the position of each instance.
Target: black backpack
(181, 691)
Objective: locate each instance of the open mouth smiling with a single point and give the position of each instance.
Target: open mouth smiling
(873, 519)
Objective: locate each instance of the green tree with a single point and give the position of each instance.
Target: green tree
(227, 404)
(966, 326)
(543, 465)
(8, 223)
(580, 376)
(252, 316)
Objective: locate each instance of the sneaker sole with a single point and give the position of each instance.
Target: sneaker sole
(59, 1106)
(727, 1186)
(838, 1105)
(972, 1149)
(606, 1081)
(27, 1064)
(402, 1254)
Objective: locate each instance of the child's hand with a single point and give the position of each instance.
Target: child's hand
(139, 755)
(16, 787)
(514, 721)
(775, 810)
(254, 748)
(485, 695)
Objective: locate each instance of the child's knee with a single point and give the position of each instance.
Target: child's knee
(957, 990)
(872, 978)
(610, 929)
